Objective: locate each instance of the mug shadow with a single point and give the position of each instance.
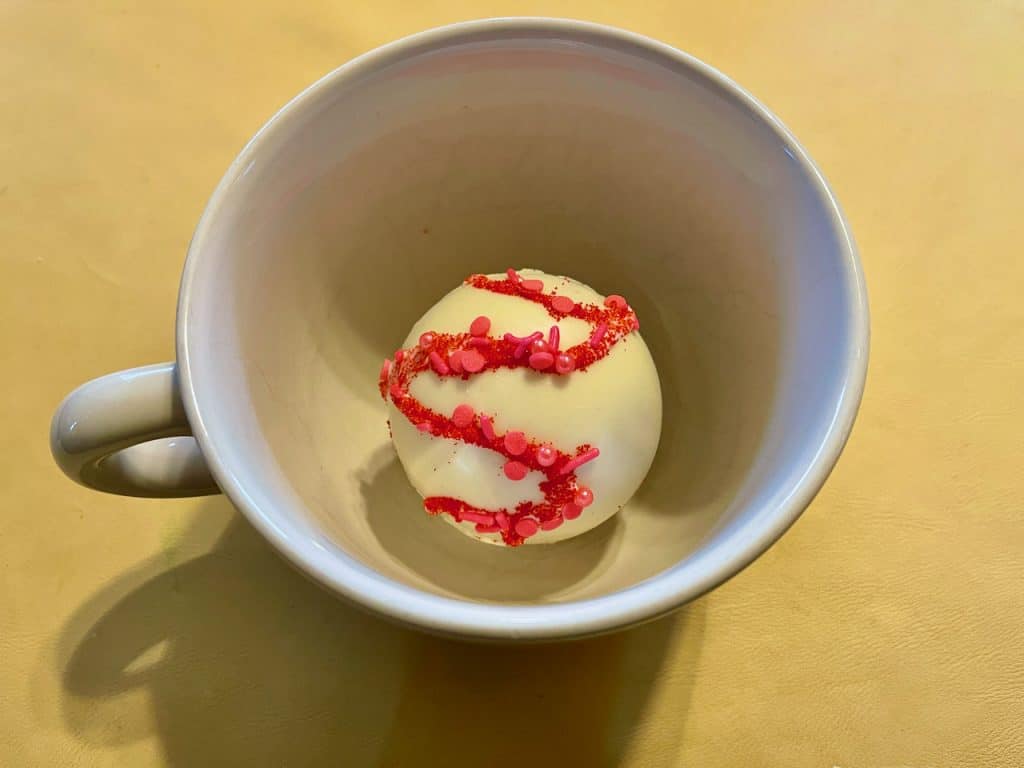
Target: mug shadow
(234, 658)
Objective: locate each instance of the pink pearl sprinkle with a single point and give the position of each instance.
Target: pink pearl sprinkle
(546, 456)
(565, 363)
(584, 497)
(563, 304)
(615, 302)
(550, 525)
(472, 361)
(515, 470)
(463, 415)
(571, 511)
(426, 340)
(598, 334)
(554, 336)
(522, 342)
(400, 356)
(515, 442)
(487, 427)
(480, 326)
(539, 345)
(573, 464)
(533, 285)
(438, 364)
(526, 527)
(541, 361)
(455, 361)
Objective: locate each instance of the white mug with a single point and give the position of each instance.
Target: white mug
(566, 146)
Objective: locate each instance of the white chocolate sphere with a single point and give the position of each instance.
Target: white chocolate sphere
(613, 405)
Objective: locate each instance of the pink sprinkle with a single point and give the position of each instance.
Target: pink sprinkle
(426, 340)
(563, 304)
(553, 338)
(546, 456)
(400, 356)
(565, 363)
(472, 361)
(438, 364)
(523, 342)
(550, 525)
(502, 520)
(533, 285)
(487, 427)
(480, 326)
(396, 391)
(475, 517)
(584, 497)
(480, 342)
(615, 302)
(573, 464)
(385, 370)
(571, 511)
(512, 275)
(540, 361)
(515, 470)
(539, 345)
(423, 426)
(463, 415)
(515, 442)
(481, 528)
(526, 527)
(455, 361)
(598, 334)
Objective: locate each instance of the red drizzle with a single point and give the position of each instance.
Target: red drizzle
(478, 354)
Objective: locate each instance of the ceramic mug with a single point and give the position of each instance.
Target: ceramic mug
(571, 147)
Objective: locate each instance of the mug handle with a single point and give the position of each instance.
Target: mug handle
(127, 433)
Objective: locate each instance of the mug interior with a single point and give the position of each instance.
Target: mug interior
(577, 153)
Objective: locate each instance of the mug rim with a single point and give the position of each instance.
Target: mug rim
(649, 599)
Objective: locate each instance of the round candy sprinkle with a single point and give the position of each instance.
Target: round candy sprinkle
(571, 511)
(455, 361)
(463, 415)
(565, 363)
(515, 470)
(615, 302)
(515, 442)
(426, 340)
(539, 345)
(526, 527)
(540, 361)
(532, 285)
(550, 525)
(480, 326)
(584, 497)
(563, 304)
(472, 361)
(546, 456)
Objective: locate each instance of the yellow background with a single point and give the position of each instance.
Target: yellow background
(884, 630)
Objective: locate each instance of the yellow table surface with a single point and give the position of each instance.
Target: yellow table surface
(885, 629)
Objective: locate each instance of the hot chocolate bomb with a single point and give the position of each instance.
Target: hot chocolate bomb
(524, 407)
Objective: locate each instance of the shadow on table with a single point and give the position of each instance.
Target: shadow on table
(233, 658)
